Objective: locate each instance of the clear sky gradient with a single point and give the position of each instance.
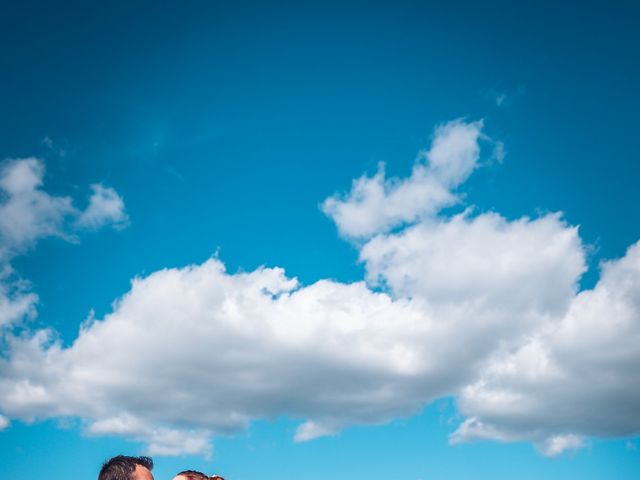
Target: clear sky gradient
(224, 126)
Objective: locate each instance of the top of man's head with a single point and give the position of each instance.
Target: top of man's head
(126, 468)
(195, 475)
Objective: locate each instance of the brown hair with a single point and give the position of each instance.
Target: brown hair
(195, 475)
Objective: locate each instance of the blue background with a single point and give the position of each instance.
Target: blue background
(225, 124)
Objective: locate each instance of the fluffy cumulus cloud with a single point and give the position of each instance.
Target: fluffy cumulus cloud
(27, 214)
(473, 305)
(199, 349)
(485, 261)
(377, 204)
(574, 379)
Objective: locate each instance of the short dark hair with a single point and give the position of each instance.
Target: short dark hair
(122, 467)
(195, 475)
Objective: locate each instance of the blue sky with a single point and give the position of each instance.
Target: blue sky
(142, 139)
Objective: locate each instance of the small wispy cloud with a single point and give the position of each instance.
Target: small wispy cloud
(106, 207)
(48, 142)
(504, 98)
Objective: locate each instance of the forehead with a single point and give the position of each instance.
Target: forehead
(142, 473)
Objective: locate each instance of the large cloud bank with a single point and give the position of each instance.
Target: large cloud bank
(471, 305)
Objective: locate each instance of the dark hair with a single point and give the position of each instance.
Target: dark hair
(122, 467)
(195, 475)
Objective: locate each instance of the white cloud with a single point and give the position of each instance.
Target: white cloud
(498, 152)
(551, 446)
(52, 146)
(578, 378)
(557, 444)
(28, 214)
(198, 349)
(172, 442)
(4, 422)
(473, 305)
(377, 204)
(16, 301)
(501, 98)
(160, 441)
(311, 430)
(106, 207)
(520, 266)
(454, 151)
